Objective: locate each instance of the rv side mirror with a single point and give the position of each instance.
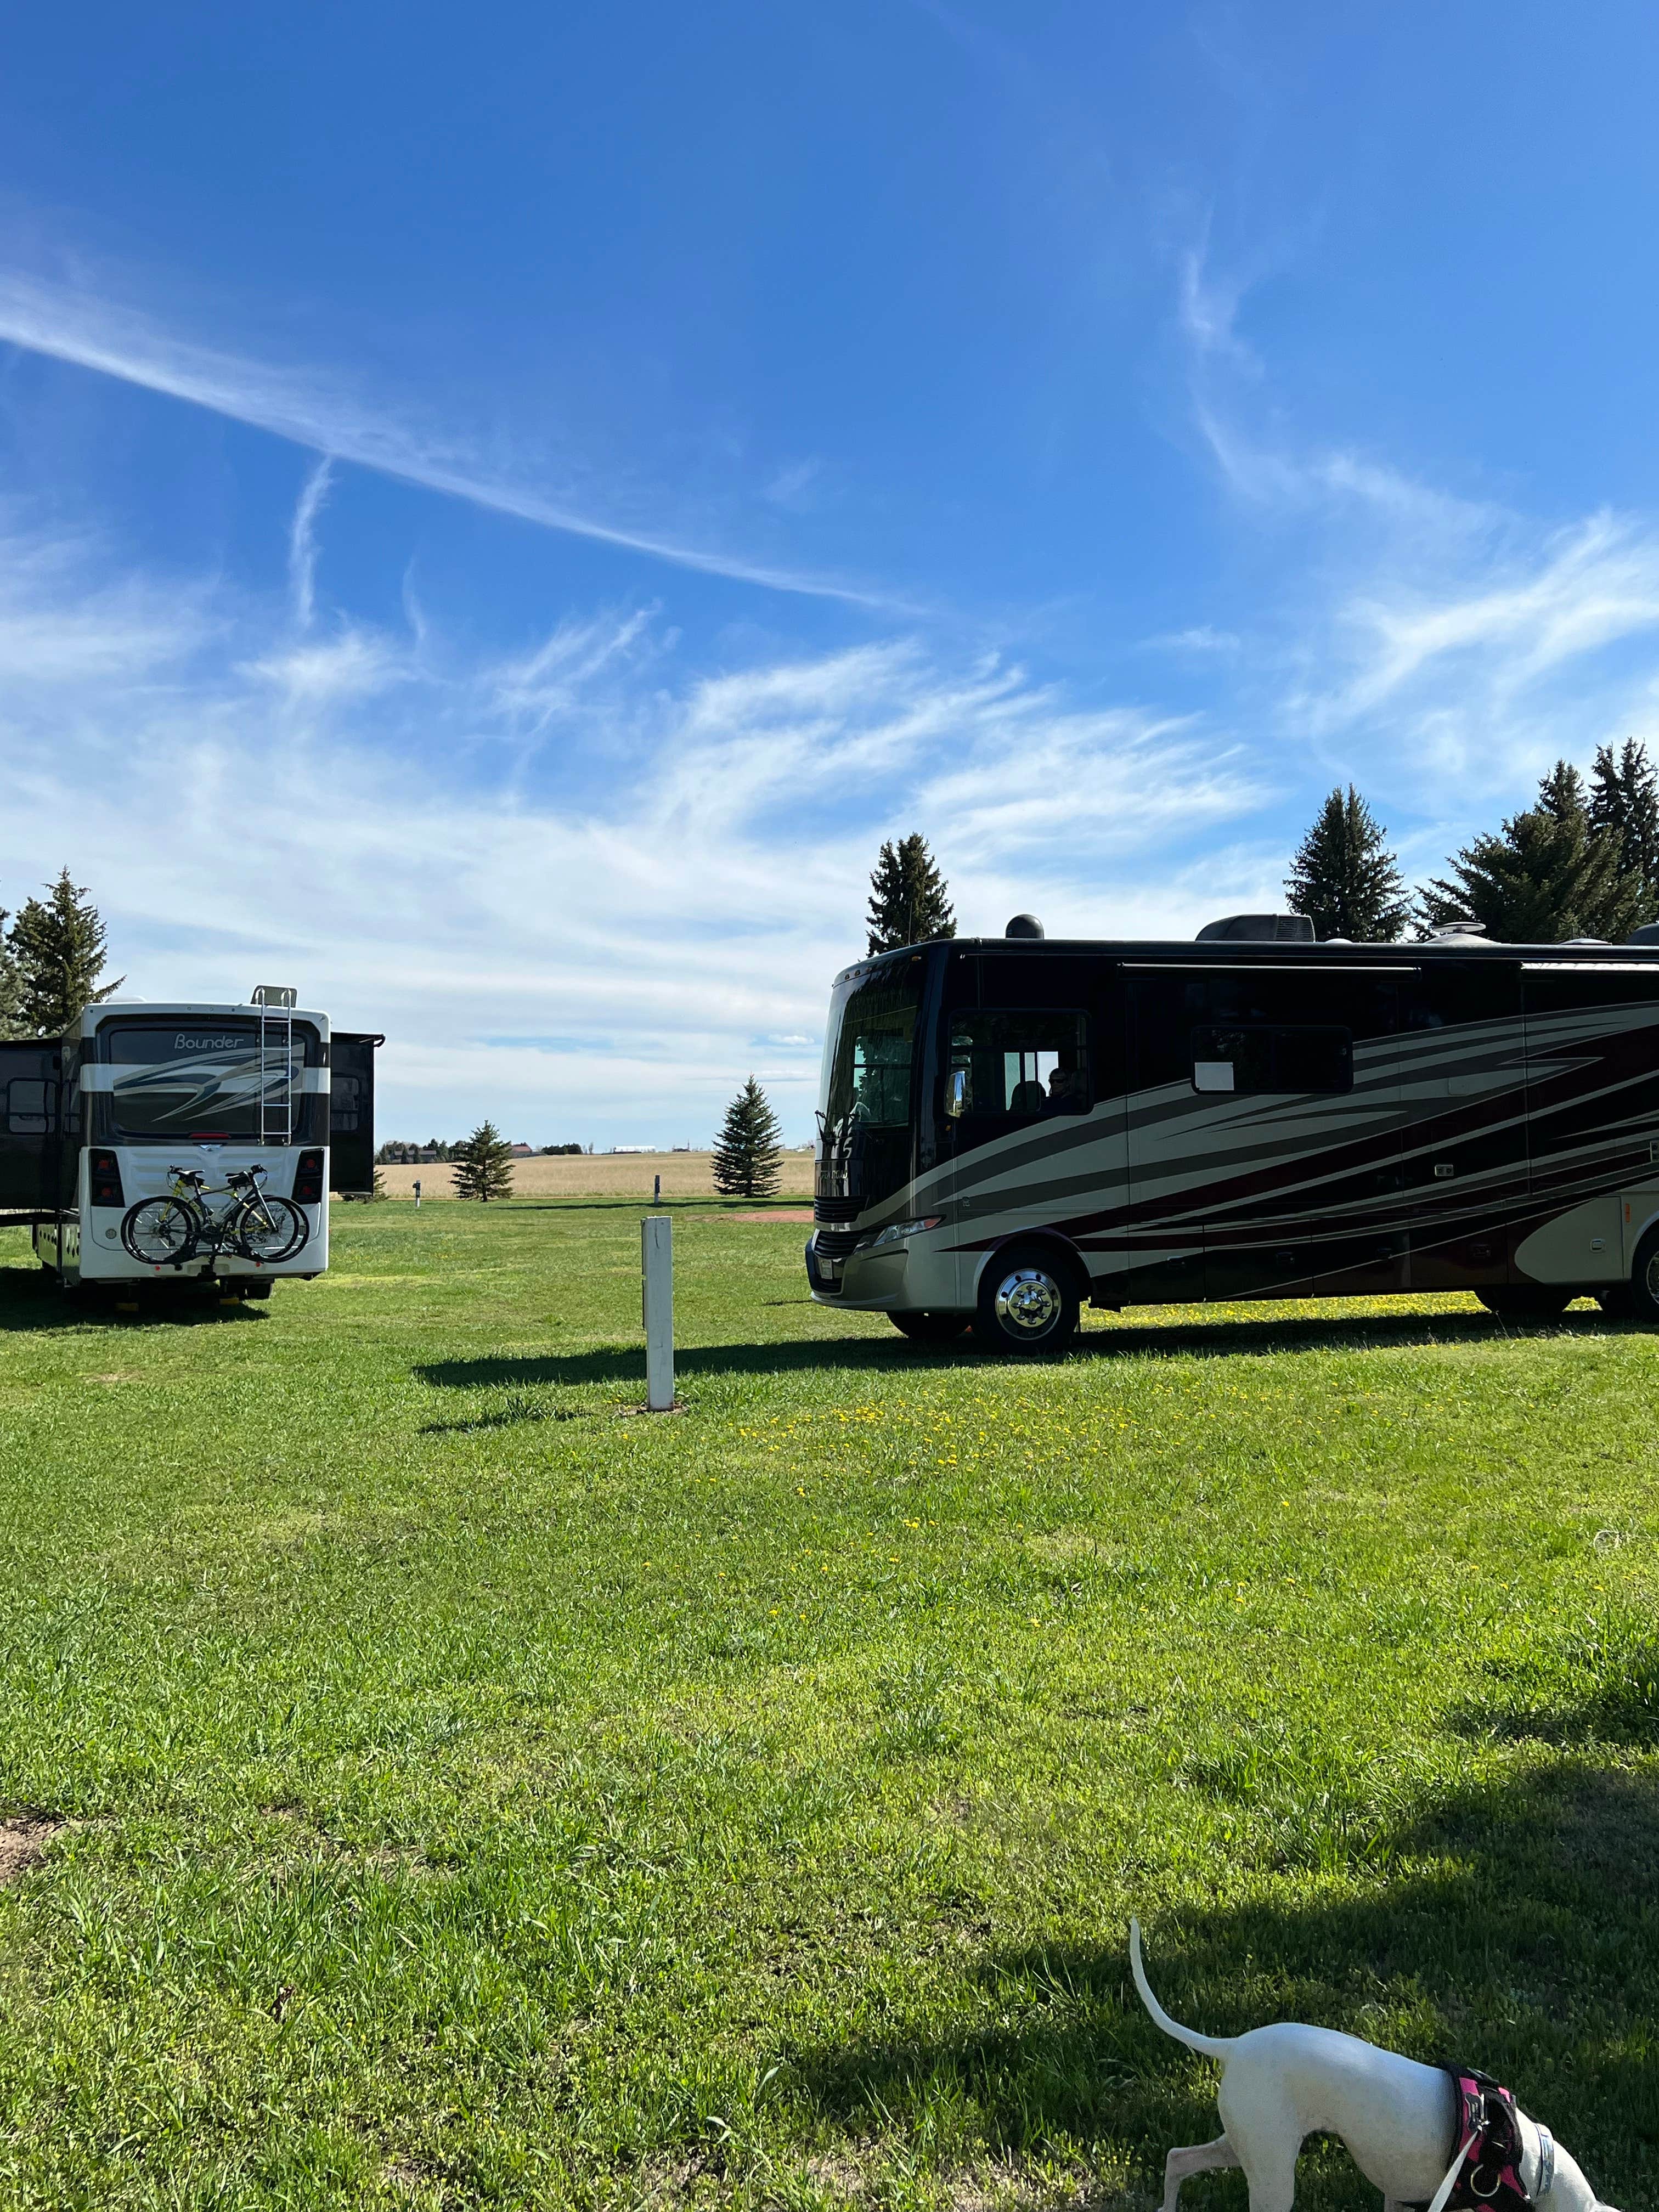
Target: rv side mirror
(955, 1095)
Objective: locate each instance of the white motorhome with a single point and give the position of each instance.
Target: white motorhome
(142, 1101)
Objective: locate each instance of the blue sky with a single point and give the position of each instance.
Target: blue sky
(500, 515)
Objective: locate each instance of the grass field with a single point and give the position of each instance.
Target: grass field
(431, 1784)
(601, 1175)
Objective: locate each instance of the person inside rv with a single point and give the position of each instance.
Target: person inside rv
(1064, 1091)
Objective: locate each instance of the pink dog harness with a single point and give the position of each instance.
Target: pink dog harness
(1486, 2167)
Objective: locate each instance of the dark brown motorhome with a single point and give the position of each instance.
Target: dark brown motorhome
(1010, 1126)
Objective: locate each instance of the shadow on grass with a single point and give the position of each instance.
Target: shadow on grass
(1211, 1340)
(1600, 1686)
(31, 1300)
(708, 1209)
(517, 1407)
(1518, 1930)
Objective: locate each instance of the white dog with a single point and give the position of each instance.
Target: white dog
(1398, 2119)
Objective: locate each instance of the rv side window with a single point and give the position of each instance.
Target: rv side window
(345, 1102)
(1016, 1067)
(27, 1113)
(1273, 1059)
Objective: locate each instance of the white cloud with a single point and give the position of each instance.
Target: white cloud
(322, 411)
(1466, 685)
(601, 944)
(354, 664)
(302, 542)
(1441, 650)
(1208, 308)
(1202, 638)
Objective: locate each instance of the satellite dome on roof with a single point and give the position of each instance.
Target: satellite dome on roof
(1023, 925)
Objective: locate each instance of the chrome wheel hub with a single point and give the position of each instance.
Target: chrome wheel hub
(1028, 1302)
(1651, 1277)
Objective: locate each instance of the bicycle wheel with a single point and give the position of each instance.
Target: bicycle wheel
(161, 1232)
(268, 1228)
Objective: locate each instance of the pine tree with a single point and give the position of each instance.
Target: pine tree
(1625, 804)
(1546, 877)
(746, 1150)
(484, 1164)
(1561, 795)
(1345, 879)
(57, 946)
(909, 898)
(12, 990)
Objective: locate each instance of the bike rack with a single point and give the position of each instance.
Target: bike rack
(276, 1005)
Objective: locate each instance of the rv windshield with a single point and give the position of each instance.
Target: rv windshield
(202, 1077)
(870, 1051)
(864, 1107)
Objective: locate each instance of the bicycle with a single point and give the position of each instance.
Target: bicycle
(168, 1232)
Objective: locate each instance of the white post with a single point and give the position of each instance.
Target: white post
(657, 1310)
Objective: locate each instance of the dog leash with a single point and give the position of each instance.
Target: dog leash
(1438, 2202)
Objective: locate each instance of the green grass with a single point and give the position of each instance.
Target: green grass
(478, 1795)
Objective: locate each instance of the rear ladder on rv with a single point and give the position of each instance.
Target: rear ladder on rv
(276, 1005)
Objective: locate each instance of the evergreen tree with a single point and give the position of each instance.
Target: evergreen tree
(1546, 877)
(909, 898)
(484, 1164)
(1625, 804)
(11, 993)
(1345, 879)
(746, 1150)
(57, 946)
(1561, 795)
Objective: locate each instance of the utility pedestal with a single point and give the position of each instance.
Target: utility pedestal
(657, 1310)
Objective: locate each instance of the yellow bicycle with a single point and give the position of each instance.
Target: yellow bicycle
(168, 1232)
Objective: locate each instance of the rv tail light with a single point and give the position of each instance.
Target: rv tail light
(308, 1180)
(104, 1174)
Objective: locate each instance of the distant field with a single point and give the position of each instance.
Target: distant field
(603, 1174)
(426, 1786)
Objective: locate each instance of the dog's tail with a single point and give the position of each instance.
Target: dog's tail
(1216, 2047)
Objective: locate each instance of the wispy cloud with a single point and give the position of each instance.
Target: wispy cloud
(1242, 422)
(1201, 639)
(656, 917)
(302, 542)
(323, 413)
(355, 665)
(1441, 649)
(1475, 679)
(1208, 303)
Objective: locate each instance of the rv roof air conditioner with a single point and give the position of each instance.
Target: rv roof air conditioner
(1257, 928)
(1461, 925)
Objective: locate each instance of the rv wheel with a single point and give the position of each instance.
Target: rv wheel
(930, 1327)
(1027, 1302)
(1644, 1281)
